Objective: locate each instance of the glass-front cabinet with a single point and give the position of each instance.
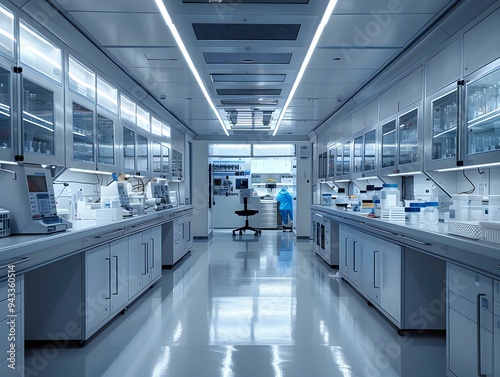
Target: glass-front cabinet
(357, 156)
(338, 161)
(388, 146)
(410, 151)
(441, 129)
(107, 127)
(128, 157)
(106, 142)
(7, 44)
(364, 154)
(42, 99)
(482, 129)
(331, 163)
(346, 160)
(370, 153)
(6, 123)
(161, 155)
(80, 116)
(142, 154)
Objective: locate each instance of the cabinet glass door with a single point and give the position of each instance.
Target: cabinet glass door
(142, 153)
(369, 152)
(165, 169)
(346, 158)
(331, 163)
(408, 138)
(5, 109)
(483, 114)
(38, 118)
(105, 140)
(83, 133)
(157, 163)
(358, 154)
(389, 144)
(338, 162)
(444, 127)
(128, 149)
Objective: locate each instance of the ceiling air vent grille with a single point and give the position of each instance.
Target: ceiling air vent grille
(246, 32)
(248, 92)
(246, 58)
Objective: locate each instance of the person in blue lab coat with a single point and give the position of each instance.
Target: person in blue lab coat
(286, 211)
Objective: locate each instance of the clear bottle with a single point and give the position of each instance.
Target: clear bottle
(389, 196)
(412, 216)
(431, 213)
(341, 197)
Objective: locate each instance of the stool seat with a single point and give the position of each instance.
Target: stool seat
(246, 212)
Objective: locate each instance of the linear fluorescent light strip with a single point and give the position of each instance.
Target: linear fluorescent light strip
(185, 53)
(312, 46)
(487, 165)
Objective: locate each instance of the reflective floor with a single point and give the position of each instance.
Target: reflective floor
(253, 307)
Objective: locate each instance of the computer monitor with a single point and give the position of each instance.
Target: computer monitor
(241, 183)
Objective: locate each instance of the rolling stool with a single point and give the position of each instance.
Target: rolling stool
(245, 194)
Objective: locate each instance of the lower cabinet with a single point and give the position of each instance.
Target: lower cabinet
(76, 296)
(472, 327)
(106, 283)
(382, 274)
(385, 273)
(12, 326)
(144, 259)
(177, 239)
(350, 253)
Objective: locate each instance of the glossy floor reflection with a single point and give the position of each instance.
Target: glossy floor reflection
(248, 307)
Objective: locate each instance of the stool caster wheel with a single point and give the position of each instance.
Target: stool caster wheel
(241, 232)
(256, 234)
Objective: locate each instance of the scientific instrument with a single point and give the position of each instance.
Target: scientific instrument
(29, 196)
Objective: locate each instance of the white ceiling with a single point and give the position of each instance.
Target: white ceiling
(360, 38)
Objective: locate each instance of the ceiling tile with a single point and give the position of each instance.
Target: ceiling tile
(126, 29)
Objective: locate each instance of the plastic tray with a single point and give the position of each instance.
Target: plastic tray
(468, 229)
(490, 230)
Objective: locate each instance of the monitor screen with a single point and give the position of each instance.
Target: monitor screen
(37, 183)
(217, 181)
(241, 183)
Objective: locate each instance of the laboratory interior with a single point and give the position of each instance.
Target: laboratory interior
(238, 188)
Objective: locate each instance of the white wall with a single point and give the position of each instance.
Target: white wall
(202, 220)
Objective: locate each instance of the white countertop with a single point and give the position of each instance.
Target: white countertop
(433, 239)
(41, 249)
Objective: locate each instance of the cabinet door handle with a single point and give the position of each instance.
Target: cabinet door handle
(375, 270)
(354, 264)
(22, 260)
(153, 251)
(145, 245)
(380, 230)
(109, 278)
(117, 232)
(414, 240)
(116, 274)
(478, 303)
(346, 254)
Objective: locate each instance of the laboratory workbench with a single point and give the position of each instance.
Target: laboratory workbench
(479, 255)
(419, 278)
(28, 252)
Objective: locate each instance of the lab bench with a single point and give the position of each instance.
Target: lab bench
(74, 282)
(430, 280)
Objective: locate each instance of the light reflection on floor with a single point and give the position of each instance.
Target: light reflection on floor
(249, 306)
